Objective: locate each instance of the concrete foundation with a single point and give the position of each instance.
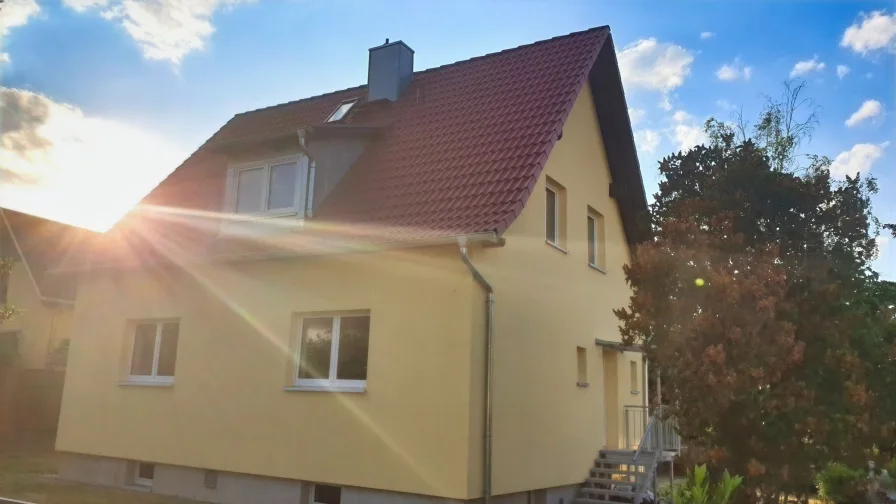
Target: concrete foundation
(236, 488)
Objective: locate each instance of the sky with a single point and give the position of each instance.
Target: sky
(101, 99)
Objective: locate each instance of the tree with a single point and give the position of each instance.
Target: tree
(757, 302)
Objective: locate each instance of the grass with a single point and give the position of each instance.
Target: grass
(32, 478)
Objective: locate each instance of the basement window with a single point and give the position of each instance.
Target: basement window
(145, 474)
(326, 494)
(341, 111)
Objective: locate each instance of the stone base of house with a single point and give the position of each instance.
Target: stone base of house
(237, 488)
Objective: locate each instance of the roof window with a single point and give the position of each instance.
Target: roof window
(342, 110)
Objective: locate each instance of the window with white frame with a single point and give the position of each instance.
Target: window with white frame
(332, 351)
(269, 188)
(326, 494)
(342, 110)
(597, 252)
(154, 352)
(552, 215)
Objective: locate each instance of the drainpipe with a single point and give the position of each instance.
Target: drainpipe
(489, 318)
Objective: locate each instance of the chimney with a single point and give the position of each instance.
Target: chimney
(389, 71)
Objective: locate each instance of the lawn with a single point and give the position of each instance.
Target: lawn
(31, 478)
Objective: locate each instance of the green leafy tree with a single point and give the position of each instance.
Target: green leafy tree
(757, 303)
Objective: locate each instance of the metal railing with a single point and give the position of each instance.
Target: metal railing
(658, 435)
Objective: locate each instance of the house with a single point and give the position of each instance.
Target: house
(34, 342)
(397, 292)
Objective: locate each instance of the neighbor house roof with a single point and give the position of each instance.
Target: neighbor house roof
(459, 153)
(43, 245)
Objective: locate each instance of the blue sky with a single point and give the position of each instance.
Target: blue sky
(102, 98)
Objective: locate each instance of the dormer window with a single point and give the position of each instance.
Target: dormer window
(269, 188)
(342, 110)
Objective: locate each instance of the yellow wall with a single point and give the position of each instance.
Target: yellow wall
(547, 430)
(228, 409)
(41, 325)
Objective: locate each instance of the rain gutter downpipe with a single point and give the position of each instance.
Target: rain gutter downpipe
(489, 318)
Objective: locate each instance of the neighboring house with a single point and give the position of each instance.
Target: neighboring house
(44, 303)
(301, 312)
(34, 342)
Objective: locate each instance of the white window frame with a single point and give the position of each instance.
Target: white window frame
(298, 207)
(144, 481)
(154, 377)
(555, 240)
(594, 242)
(331, 382)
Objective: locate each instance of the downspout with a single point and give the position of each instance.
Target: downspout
(489, 318)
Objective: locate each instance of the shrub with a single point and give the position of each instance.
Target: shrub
(838, 484)
(697, 489)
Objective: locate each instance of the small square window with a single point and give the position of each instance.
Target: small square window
(154, 352)
(333, 351)
(342, 110)
(327, 494)
(145, 474)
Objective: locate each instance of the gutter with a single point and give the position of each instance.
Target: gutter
(15, 242)
(489, 322)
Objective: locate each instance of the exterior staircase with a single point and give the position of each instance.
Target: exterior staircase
(618, 476)
(627, 475)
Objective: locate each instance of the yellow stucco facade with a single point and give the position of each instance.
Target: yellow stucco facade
(418, 426)
(39, 325)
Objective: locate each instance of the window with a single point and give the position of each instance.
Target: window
(342, 110)
(154, 353)
(145, 474)
(270, 188)
(633, 376)
(333, 352)
(582, 365)
(326, 494)
(552, 214)
(597, 251)
(555, 214)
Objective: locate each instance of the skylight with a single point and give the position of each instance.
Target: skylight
(341, 110)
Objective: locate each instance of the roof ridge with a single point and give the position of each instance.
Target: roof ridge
(512, 49)
(427, 70)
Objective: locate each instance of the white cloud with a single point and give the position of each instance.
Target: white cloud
(876, 31)
(868, 110)
(647, 140)
(636, 115)
(4, 58)
(725, 105)
(686, 132)
(734, 70)
(857, 160)
(164, 29)
(842, 70)
(62, 164)
(17, 13)
(806, 67)
(882, 242)
(655, 66)
(706, 35)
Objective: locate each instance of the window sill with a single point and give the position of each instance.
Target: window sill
(582, 384)
(357, 389)
(132, 383)
(635, 392)
(558, 247)
(597, 268)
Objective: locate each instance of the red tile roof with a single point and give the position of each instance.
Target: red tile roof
(460, 153)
